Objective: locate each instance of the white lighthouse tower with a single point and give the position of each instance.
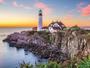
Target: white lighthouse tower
(40, 21)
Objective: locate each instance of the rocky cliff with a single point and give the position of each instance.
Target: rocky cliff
(60, 46)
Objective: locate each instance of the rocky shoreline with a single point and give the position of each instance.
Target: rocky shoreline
(59, 47)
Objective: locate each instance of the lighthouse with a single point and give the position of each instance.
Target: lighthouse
(40, 21)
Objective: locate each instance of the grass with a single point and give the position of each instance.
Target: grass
(85, 63)
(48, 65)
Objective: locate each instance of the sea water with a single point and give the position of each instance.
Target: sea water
(11, 57)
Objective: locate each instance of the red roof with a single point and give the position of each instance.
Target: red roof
(44, 27)
(35, 28)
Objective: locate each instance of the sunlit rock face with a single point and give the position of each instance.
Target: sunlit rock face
(58, 46)
(71, 43)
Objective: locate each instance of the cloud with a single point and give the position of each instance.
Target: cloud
(69, 15)
(15, 4)
(36, 5)
(1, 1)
(84, 9)
(44, 7)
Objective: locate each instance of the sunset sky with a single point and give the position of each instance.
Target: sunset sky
(24, 13)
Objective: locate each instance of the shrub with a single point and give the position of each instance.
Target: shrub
(48, 65)
(84, 63)
(25, 65)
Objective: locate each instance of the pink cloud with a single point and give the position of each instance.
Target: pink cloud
(15, 4)
(69, 15)
(84, 9)
(43, 6)
(1, 1)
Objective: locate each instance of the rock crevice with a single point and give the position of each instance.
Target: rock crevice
(59, 46)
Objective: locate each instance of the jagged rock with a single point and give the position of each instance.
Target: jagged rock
(59, 46)
(37, 39)
(73, 42)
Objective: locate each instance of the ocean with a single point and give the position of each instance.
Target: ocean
(11, 57)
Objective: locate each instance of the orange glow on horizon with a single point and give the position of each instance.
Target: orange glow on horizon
(34, 24)
(12, 20)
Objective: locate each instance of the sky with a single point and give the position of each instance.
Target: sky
(24, 13)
